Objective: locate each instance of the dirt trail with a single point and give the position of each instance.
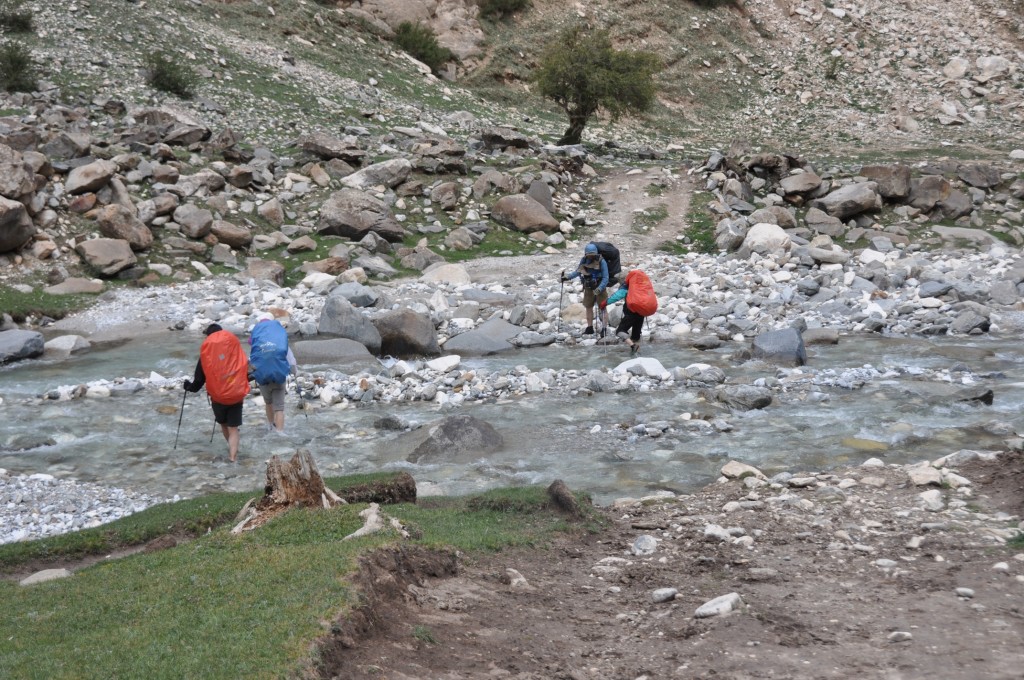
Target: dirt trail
(625, 195)
(838, 592)
(643, 209)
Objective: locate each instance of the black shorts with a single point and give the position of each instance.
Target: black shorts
(227, 415)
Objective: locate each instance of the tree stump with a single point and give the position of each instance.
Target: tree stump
(293, 483)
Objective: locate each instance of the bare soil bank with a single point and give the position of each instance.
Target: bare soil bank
(830, 590)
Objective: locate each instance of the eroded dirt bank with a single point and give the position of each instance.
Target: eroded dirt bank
(839, 575)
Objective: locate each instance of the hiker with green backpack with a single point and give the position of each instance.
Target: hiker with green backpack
(270, 363)
(597, 272)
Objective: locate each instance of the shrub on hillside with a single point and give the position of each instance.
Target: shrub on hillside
(17, 70)
(168, 75)
(709, 4)
(421, 42)
(496, 9)
(14, 18)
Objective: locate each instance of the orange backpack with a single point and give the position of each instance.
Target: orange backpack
(225, 367)
(640, 297)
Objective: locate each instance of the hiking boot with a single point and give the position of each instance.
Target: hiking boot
(634, 350)
(589, 330)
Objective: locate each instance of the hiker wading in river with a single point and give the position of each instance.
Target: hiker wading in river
(593, 271)
(223, 369)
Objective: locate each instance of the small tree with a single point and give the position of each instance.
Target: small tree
(582, 72)
(17, 68)
(421, 42)
(167, 75)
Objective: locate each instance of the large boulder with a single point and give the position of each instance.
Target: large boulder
(929, 191)
(893, 180)
(117, 221)
(493, 336)
(522, 213)
(443, 272)
(16, 176)
(331, 351)
(389, 173)
(743, 397)
(404, 332)
(195, 222)
(766, 238)
(800, 183)
(16, 227)
(980, 176)
(850, 200)
(90, 177)
(264, 270)
(352, 214)
(340, 318)
(357, 294)
(460, 438)
(237, 236)
(107, 256)
(821, 222)
(19, 344)
(785, 347)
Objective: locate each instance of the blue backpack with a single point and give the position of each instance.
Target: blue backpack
(269, 354)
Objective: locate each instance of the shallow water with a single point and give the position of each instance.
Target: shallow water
(906, 416)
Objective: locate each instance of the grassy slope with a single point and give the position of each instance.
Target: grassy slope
(221, 605)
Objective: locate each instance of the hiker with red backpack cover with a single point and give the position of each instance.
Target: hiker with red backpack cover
(271, 362)
(640, 303)
(224, 369)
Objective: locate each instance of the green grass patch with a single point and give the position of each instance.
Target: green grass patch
(644, 220)
(699, 235)
(37, 303)
(251, 605)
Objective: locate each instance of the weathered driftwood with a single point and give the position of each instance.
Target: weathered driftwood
(296, 482)
(398, 489)
(373, 521)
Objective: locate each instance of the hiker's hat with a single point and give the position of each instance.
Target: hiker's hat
(591, 249)
(212, 328)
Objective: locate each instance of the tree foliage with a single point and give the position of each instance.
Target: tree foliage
(421, 42)
(18, 70)
(582, 72)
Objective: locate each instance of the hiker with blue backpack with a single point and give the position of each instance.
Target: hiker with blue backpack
(597, 271)
(271, 362)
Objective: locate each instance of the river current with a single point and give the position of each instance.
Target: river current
(868, 396)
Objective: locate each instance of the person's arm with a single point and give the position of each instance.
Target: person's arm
(573, 274)
(293, 365)
(604, 277)
(197, 382)
(619, 294)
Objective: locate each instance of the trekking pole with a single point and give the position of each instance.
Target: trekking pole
(184, 393)
(561, 296)
(214, 429)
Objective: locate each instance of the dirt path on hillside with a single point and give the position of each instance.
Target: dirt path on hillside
(641, 209)
(845, 578)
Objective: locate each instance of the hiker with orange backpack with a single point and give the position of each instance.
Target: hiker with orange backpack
(640, 303)
(223, 369)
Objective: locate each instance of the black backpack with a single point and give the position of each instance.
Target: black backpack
(610, 254)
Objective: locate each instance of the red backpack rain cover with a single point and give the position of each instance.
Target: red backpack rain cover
(640, 297)
(225, 367)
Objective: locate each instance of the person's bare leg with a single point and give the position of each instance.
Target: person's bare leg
(279, 421)
(590, 317)
(231, 436)
(270, 414)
